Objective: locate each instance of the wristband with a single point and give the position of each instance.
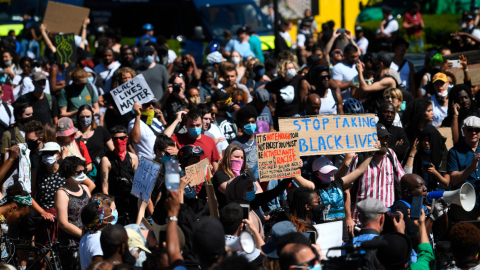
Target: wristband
(465, 70)
(411, 156)
(173, 218)
(455, 115)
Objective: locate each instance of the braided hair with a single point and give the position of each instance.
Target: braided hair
(414, 115)
(297, 199)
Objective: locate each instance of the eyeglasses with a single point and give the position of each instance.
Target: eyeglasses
(119, 138)
(80, 172)
(476, 130)
(226, 101)
(390, 97)
(148, 104)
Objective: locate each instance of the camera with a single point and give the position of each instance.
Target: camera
(176, 88)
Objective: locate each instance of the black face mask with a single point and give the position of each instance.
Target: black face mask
(78, 87)
(32, 144)
(26, 120)
(128, 258)
(317, 213)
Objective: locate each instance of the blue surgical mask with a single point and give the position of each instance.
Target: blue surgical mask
(249, 196)
(86, 122)
(190, 192)
(250, 128)
(166, 158)
(427, 151)
(149, 59)
(115, 217)
(195, 132)
(260, 72)
(8, 63)
(403, 106)
(90, 80)
(3, 79)
(315, 267)
(291, 73)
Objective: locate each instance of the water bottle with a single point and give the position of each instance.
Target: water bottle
(172, 174)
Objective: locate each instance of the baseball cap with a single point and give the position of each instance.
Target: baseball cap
(324, 165)
(135, 240)
(241, 30)
(214, 58)
(65, 127)
(398, 253)
(258, 65)
(468, 17)
(51, 146)
(472, 121)
(358, 28)
(382, 131)
(148, 49)
(279, 229)
(154, 100)
(439, 76)
(220, 95)
(209, 238)
(372, 205)
(261, 95)
(306, 23)
(147, 27)
(37, 76)
(189, 151)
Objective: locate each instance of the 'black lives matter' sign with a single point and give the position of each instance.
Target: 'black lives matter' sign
(134, 90)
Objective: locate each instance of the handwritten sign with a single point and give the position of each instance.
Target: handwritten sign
(330, 235)
(196, 173)
(66, 50)
(473, 65)
(144, 178)
(63, 18)
(134, 90)
(333, 134)
(277, 155)
(447, 133)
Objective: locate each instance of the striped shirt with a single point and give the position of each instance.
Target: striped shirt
(377, 181)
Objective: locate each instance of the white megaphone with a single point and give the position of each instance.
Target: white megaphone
(464, 197)
(244, 242)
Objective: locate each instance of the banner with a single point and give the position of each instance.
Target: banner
(447, 133)
(63, 18)
(66, 50)
(277, 155)
(196, 173)
(144, 178)
(134, 90)
(333, 134)
(473, 65)
(330, 235)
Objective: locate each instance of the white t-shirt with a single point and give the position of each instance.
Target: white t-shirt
(4, 115)
(26, 86)
(404, 73)
(344, 73)
(217, 133)
(329, 105)
(391, 27)
(89, 247)
(476, 33)
(147, 138)
(439, 112)
(362, 44)
(171, 56)
(107, 74)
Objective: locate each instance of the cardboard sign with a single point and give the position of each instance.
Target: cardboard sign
(473, 64)
(277, 155)
(134, 90)
(66, 50)
(196, 173)
(447, 133)
(144, 178)
(330, 235)
(333, 134)
(63, 18)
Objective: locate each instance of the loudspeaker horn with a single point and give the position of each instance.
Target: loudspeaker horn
(464, 197)
(244, 242)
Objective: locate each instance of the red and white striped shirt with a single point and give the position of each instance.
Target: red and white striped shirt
(377, 181)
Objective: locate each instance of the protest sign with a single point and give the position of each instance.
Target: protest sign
(63, 18)
(330, 235)
(277, 155)
(144, 178)
(23, 173)
(134, 90)
(333, 134)
(447, 133)
(196, 173)
(212, 198)
(66, 50)
(473, 65)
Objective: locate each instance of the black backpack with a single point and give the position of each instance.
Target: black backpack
(142, 42)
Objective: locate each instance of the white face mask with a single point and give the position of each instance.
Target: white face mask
(291, 73)
(79, 178)
(236, 60)
(49, 160)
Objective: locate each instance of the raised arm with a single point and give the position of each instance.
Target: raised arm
(135, 134)
(48, 42)
(329, 45)
(86, 21)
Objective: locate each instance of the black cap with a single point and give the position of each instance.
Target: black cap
(398, 253)
(382, 131)
(209, 238)
(306, 23)
(220, 95)
(312, 59)
(386, 9)
(358, 28)
(189, 151)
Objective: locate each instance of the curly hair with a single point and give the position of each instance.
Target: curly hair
(34, 126)
(413, 115)
(465, 239)
(453, 97)
(226, 165)
(69, 166)
(14, 190)
(153, 260)
(282, 67)
(297, 199)
(104, 198)
(245, 113)
(124, 70)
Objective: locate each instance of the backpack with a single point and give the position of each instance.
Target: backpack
(89, 88)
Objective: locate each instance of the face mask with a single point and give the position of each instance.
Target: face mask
(403, 106)
(369, 81)
(240, 104)
(236, 60)
(236, 166)
(79, 86)
(86, 122)
(49, 160)
(128, 258)
(32, 145)
(190, 192)
(148, 117)
(195, 132)
(100, 29)
(121, 148)
(326, 178)
(427, 151)
(3, 79)
(194, 100)
(250, 128)
(90, 80)
(316, 267)
(115, 217)
(166, 158)
(8, 63)
(26, 119)
(260, 72)
(149, 59)
(317, 213)
(291, 73)
(250, 195)
(79, 178)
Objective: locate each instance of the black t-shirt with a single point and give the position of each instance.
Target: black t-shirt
(47, 186)
(218, 179)
(41, 108)
(288, 98)
(96, 144)
(228, 127)
(331, 195)
(411, 229)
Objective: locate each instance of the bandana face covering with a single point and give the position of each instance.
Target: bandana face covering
(121, 148)
(236, 166)
(326, 178)
(149, 117)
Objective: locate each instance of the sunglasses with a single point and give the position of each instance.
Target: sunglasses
(149, 104)
(390, 97)
(226, 101)
(310, 263)
(80, 172)
(323, 77)
(476, 130)
(119, 138)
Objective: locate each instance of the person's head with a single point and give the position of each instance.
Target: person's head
(73, 169)
(221, 99)
(186, 60)
(313, 104)
(445, 50)
(419, 111)
(127, 54)
(461, 94)
(236, 262)
(336, 56)
(23, 112)
(440, 84)
(260, 99)
(34, 135)
(469, 19)
(149, 54)
(209, 241)
(247, 118)
(397, 255)
(114, 241)
(294, 256)
(65, 130)
(383, 135)
(400, 46)
(193, 123)
(85, 117)
(323, 170)
(100, 265)
(124, 74)
(193, 96)
(149, 105)
(387, 113)
(148, 29)
(241, 188)
(242, 34)
(231, 217)
(465, 241)
(412, 185)
(208, 77)
(471, 130)
(239, 97)
(394, 96)
(158, 259)
(320, 77)
(79, 77)
(414, 8)
(119, 138)
(107, 56)
(49, 133)
(7, 58)
(230, 76)
(371, 213)
(351, 54)
(50, 153)
(287, 69)
(39, 81)
(206, 112)
(358, 31)
(233, 156)
(386, 11)
(436, 60)
(26, 64)
(189, 155)
(164, 148)
(304, 204)
(17, 204)
(382, 62)
(236, 58)
(96, 215)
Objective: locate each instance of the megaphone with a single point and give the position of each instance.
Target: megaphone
(244, 242)
(464, 197)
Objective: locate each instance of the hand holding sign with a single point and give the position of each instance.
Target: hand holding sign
(144, 178)
(127, 94)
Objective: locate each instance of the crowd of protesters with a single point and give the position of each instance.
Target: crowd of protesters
(62, 122)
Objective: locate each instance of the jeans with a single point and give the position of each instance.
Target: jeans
(416, 42)
(30, 46)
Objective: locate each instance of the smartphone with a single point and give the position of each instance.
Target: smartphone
(394, 214)
(456, 63)
(246, 210)
(416, 210)
(312, 237)
(342, 31)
